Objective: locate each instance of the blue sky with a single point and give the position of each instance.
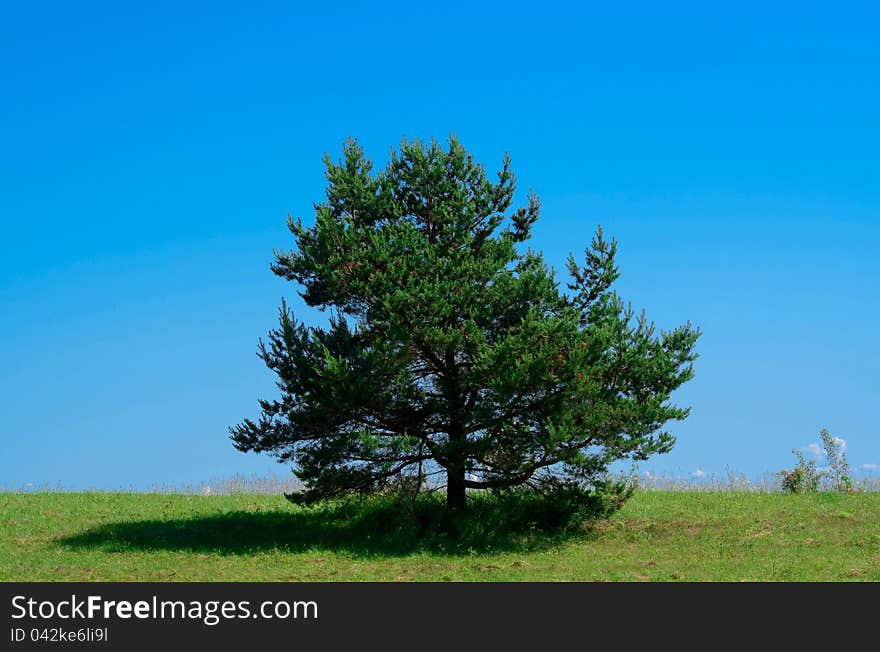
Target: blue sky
(149, 157)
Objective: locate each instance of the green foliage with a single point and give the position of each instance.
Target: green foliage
(566, 503)
(451, 351)
(806, 477)
(494, 516)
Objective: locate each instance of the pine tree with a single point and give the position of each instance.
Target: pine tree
(451, 350)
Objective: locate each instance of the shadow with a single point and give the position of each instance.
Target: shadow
(363, 531)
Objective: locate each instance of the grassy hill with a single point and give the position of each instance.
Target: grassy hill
(659, 535)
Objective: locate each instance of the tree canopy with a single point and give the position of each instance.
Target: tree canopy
(451, 351)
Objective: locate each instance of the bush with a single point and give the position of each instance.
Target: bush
(515, 518)
(563, 504)
(803, 478)
(806, 477)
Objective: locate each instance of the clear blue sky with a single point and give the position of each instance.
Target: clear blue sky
(149, 157)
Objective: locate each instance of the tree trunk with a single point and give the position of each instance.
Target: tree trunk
(455, 489)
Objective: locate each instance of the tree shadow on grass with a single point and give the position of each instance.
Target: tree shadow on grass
(361, 529)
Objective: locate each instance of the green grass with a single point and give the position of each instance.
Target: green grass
(659, 535)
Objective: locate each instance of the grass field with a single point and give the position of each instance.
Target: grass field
(659, 535)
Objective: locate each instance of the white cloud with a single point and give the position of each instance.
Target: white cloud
(871, 467)
(699, 473)
(818, 451)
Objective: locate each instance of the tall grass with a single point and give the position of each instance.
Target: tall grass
(268, 485)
